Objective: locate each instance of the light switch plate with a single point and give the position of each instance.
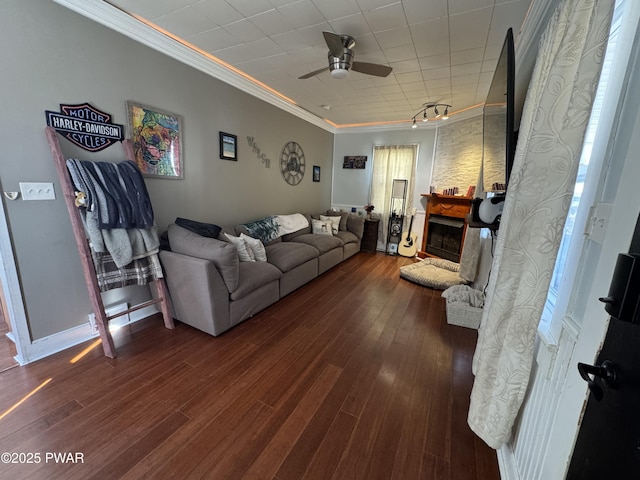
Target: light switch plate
(37, 191)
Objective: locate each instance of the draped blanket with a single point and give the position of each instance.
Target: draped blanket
(118, 221)
(270, 228)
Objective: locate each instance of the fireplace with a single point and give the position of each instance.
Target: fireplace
(445, 236)
(445, 226)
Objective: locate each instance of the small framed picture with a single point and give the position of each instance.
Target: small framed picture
(228, 146)
(316, 173)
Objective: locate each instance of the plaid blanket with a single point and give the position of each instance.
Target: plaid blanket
(139, 272)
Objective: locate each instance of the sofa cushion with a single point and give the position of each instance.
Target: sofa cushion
(256, 247)
(254, 275)
(335, 222)
(343, 218)
(355, 224)
(322, 243)
(205, 229)
(347, 237)
(320, 227)
(223, 255)
(245, 253)
(288, 255)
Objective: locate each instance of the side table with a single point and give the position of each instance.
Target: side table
(370, 235)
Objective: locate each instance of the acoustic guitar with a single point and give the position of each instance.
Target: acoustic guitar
(408, 246)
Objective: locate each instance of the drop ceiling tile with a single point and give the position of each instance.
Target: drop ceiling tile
(313, 35)
(444, 82)
(353, 25)
(249, 51)
(418, 11)
(466, 69)
(250, 7)
(467, 56)
(464, 80)
(408, 77)
(431, 38)
(386, 18)
(291, 41)
(184, 23)
(371, 4)
(244, 30)
(393, 38)
(214, 40)
(434, 61)
(469, 30)
(462, 6)
(302, 14)
(413, 87)
(332, 9)
(405, 66)
(271, 22)
(218, 11)
(398, 54)
(436, 73)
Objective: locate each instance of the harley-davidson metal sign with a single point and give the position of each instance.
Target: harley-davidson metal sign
(86, 126)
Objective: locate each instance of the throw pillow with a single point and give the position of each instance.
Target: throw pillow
(205, 229)
(244, 254)
(318, 227)
(335, 223)
(256, 246)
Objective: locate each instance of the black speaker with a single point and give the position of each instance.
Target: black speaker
(394, 234)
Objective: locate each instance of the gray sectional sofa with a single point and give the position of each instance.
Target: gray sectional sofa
(212, 290)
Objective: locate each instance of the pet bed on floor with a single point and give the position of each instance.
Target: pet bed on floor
(436, 273)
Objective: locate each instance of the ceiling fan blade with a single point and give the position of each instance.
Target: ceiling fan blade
(334, 42)
(371, 69)
(313, 74)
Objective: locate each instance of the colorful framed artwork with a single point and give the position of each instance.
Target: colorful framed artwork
(316, 173)
(156, 136)
(228, 146)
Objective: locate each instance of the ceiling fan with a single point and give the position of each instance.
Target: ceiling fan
(341, 59)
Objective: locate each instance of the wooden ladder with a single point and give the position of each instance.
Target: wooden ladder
(88, 269)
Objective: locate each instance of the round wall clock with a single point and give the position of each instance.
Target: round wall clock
(292, 163)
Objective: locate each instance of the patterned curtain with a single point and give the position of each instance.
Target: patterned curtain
(554, 121)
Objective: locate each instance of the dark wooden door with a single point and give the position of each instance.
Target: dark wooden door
(608, 444)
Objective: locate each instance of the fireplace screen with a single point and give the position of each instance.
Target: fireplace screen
(445, 237)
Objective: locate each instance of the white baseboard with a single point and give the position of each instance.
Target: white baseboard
(43, 347)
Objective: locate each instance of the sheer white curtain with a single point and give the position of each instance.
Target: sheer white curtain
(391, 162)
(554, 121)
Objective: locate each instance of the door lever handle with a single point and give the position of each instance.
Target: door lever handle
(606, 371)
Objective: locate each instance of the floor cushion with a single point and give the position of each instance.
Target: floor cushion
(436, 273)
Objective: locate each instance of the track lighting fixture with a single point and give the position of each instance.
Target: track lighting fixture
(436, 113)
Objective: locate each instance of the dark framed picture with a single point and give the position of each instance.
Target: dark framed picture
(156, 136)
(316, 173)
(228, 146)
(355, 161)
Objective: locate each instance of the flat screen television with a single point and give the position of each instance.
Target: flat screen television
(498, 139)
(498, 136)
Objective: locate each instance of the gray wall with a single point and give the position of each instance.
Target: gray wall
(51, 56)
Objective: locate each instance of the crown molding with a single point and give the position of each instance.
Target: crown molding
(115, 19)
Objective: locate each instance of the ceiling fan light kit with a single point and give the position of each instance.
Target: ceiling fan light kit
(341, 59)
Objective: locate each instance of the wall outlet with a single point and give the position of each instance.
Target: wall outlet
(37, 191)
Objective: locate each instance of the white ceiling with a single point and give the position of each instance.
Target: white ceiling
(440, 50)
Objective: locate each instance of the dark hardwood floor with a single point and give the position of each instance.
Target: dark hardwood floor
(354, 376)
